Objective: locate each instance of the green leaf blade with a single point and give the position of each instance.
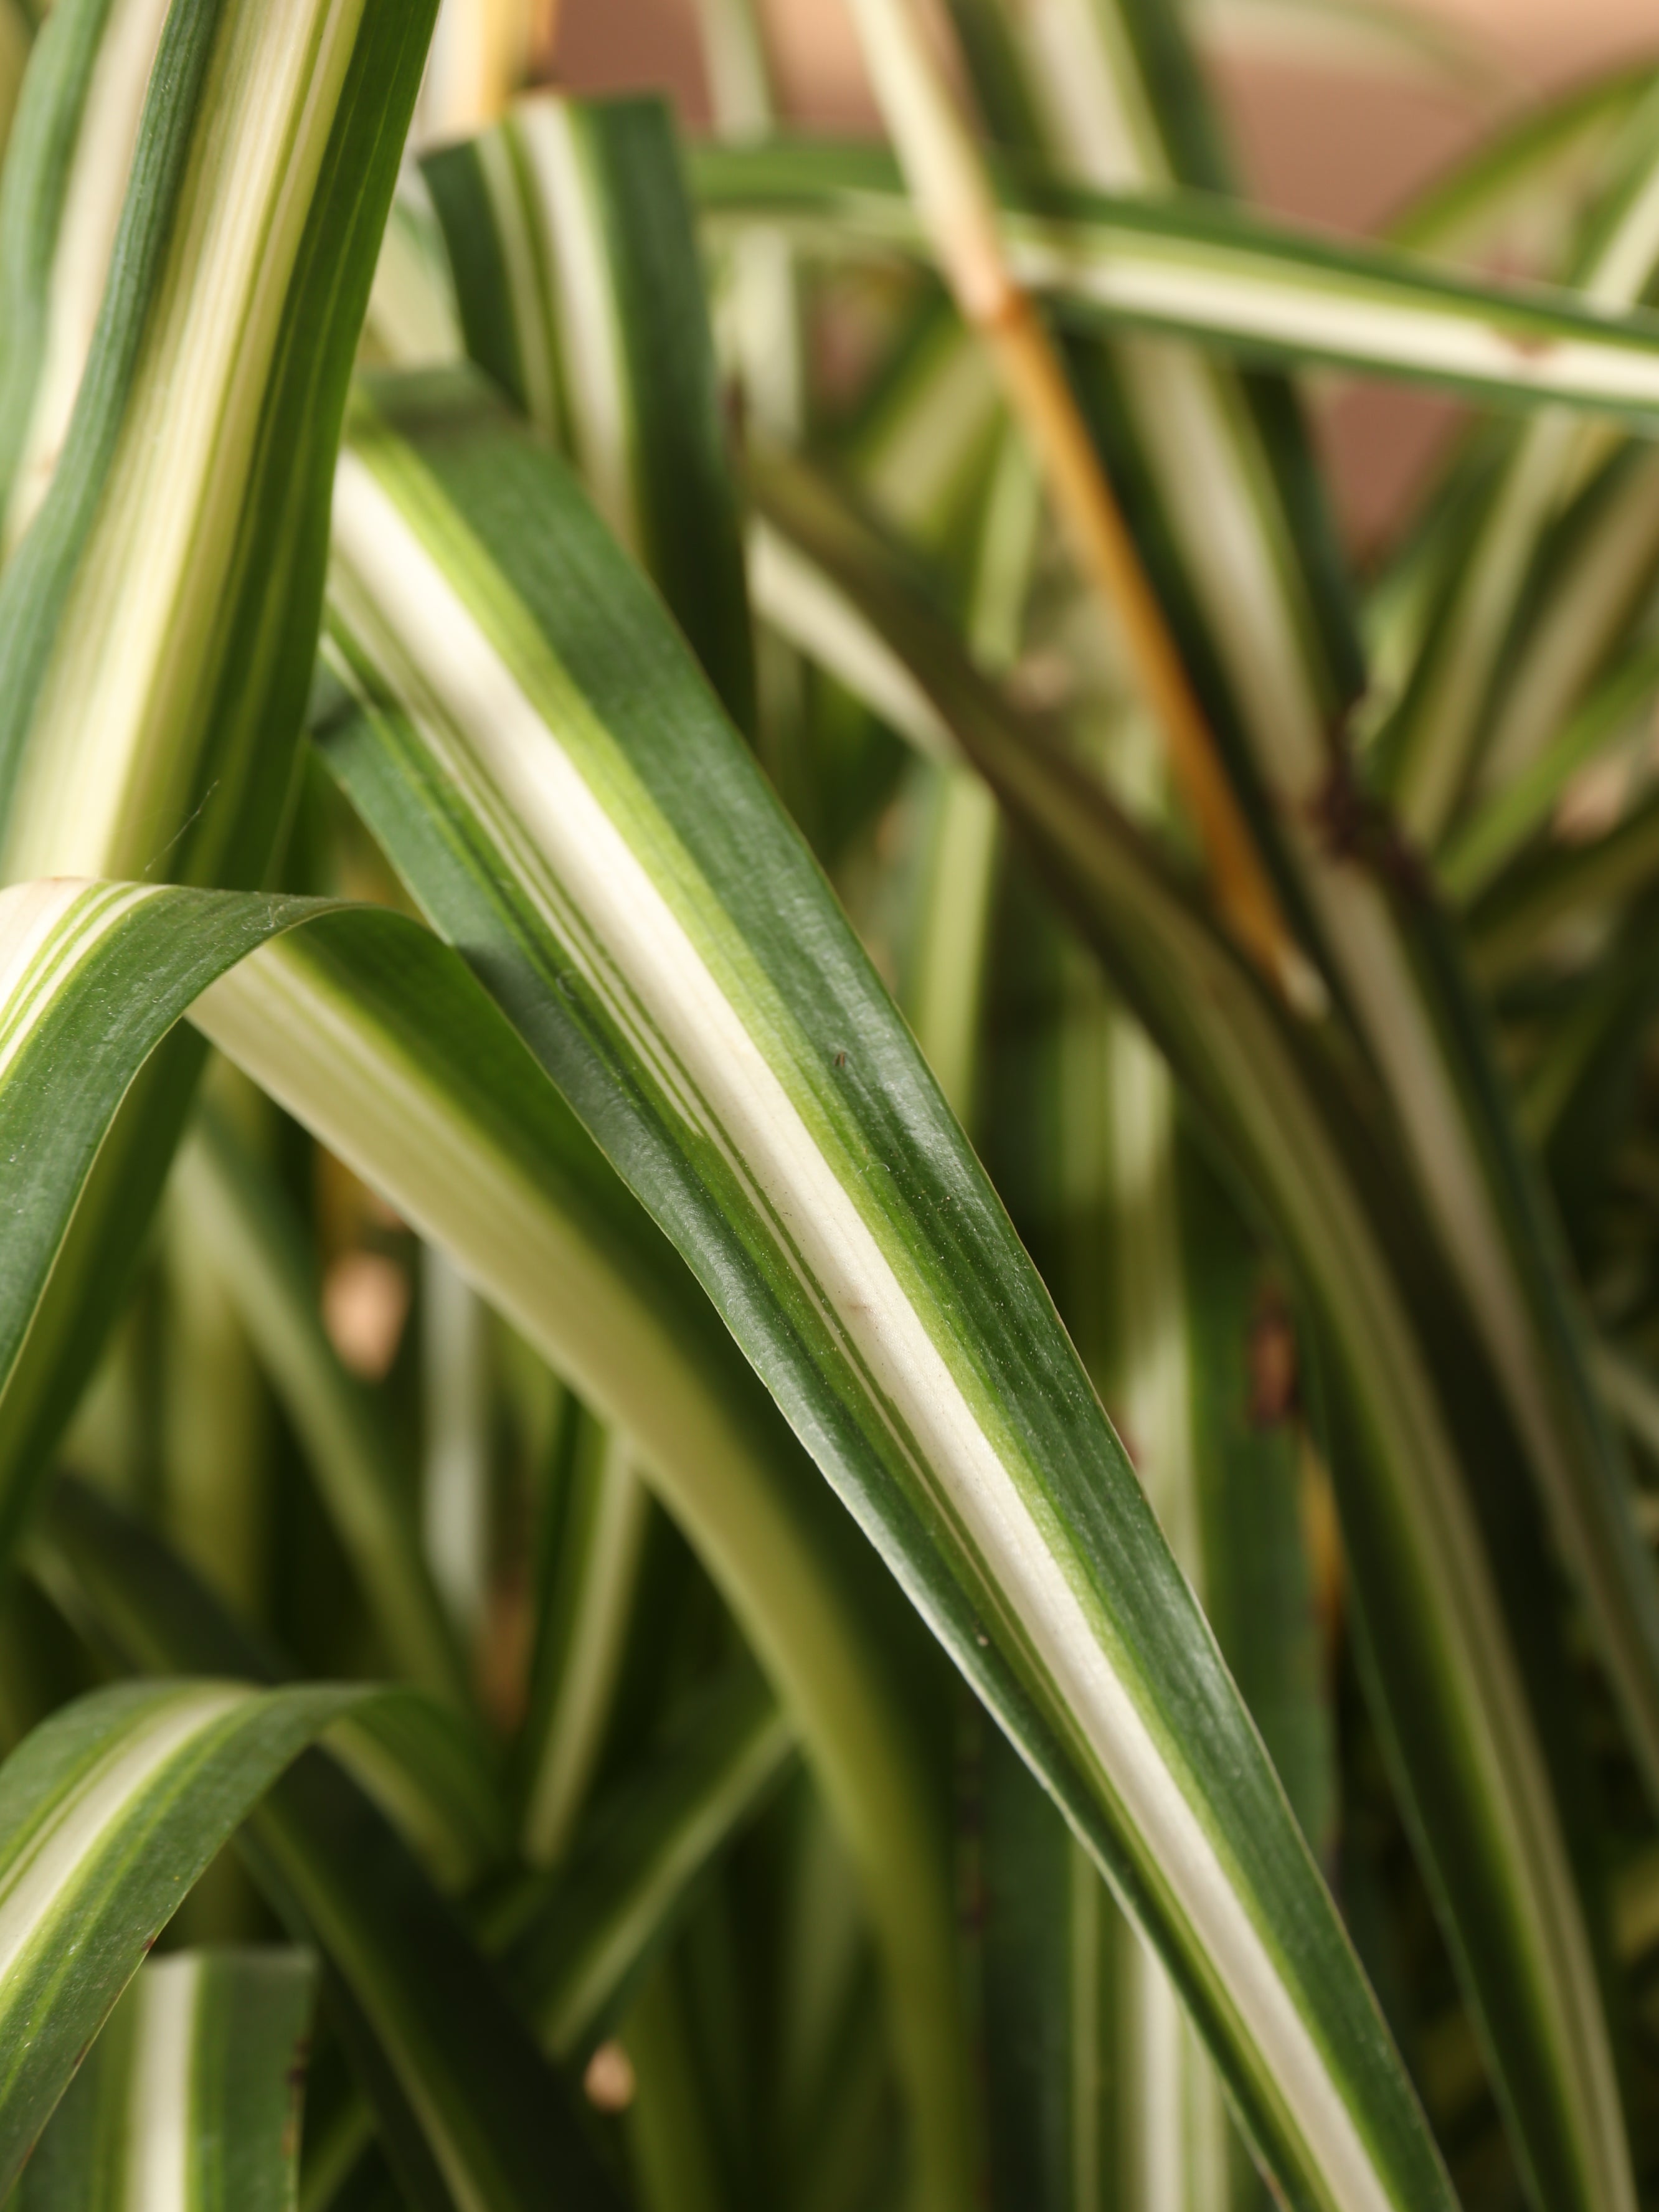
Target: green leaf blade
(191, 2095)
(622, 880)
(107, 1815)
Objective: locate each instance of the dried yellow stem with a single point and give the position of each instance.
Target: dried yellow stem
(1041, 398)
(947, 177)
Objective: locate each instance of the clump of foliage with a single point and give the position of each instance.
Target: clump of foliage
(829, 1329)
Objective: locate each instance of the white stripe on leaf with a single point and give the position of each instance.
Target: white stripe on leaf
(578, 859)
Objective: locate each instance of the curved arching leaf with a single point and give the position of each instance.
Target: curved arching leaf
(378, 1038)
(108, 1813)
(471, 2116)
(547, 769)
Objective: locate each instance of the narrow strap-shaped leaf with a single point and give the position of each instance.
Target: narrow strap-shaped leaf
(1291, 673)
(473, 2117)
(431, 1771)
(454, 1489)
(1521, 177)
(1196, 269)
(574, 1946)
(586, 1607)
(1590, 582)
(243, 1215)
(157, 625)
(574, 1942)
(108, 1813)
(1547, 889)
(1497, 830)
(66, 165)
(190, 2100)
(382, 1043)
(1419, 1011)
(378, 1040)
(1163, 1292)
(1432, 743)
(576, 272)
(130, 957)
(714, 1020)
(581, 1946)
(154, 632)
(673, 2145)
(1425, 1468)
(1049, 1942)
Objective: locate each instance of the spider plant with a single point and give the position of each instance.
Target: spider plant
(830, 1345)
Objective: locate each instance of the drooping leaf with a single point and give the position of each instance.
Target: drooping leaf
(108, 1813)
(1194, 270)
(473, 2116)
(382, 1043)
(127, 959)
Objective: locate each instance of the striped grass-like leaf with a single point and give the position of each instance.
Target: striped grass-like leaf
(190, 2099)
(1415, 1436)
(473, 2118)
(543, 761)
(578, 1948)
(60, 201)
(1518, 197)
(1282, 639)
(154, 633)
(1496, 829)
(376, 1039)
(1106, 261)
(1431, 746)
(379, 1040)
(127, 957)
(1048, 1944)
(576, 274)
(1168, 1303)
(157, 624)
(108, 1813)
(588, 1608)
(574, 1944)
